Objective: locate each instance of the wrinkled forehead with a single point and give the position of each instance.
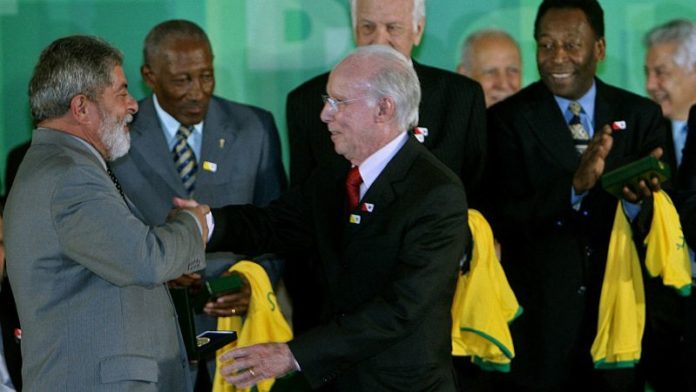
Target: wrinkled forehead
(350, 76)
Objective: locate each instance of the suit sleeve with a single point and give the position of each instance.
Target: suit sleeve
(425, 275)
(280, 227)
(98, 231)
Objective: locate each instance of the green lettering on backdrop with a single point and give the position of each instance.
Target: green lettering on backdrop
(265, 48)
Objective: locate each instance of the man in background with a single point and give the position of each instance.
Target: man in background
(492, 58)
(552, 142)
(670, 71)
(189, 143)
(88, 274)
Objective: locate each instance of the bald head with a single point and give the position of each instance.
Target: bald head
(492, 58)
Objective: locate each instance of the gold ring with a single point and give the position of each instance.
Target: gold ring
(251, 371)
(234, 311)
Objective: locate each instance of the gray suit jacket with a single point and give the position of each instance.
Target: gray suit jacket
(240, 140)
(88, 276)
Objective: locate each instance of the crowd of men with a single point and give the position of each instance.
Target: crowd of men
(117, 200)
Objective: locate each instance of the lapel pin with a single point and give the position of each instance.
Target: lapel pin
(420, 133)
(210, 166)
(367, 207)
(221, 142)
(354, 219)
(618, 126)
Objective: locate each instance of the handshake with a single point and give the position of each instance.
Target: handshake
(199, 211)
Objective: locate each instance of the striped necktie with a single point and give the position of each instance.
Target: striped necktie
(185, 159)
(580, 135)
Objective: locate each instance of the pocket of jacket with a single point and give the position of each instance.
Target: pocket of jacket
(128, 367)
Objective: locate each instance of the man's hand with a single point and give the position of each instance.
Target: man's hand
(184, 203)
(186, 280)
(199, 212)
(592, 161)
(234, 304)
(645, 188)
(256, 363)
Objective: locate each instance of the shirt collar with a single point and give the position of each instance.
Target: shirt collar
(373, 166)
(587, 102)
(169, 124)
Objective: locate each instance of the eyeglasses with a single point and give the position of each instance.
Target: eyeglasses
(335, 103)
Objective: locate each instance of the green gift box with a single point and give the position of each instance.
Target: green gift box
(630, 175)
(214, 288)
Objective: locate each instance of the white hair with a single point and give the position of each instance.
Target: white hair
(418, 12)
(679, 31)
(394, 77)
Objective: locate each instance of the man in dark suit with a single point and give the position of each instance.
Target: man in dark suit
(687, 213)
(451, 124)
(389, 243)
(670, 69)
(552, 141)
(235, 148)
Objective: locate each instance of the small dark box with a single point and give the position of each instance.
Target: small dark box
(631, 174)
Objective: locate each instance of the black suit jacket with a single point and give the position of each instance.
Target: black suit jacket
(386, 283)
(554, 255)
(687, 174)
(452, 108)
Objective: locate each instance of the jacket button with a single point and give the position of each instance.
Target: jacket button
(581, 290)
(559, 222)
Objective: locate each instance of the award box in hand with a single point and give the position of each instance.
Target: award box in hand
(630, 175)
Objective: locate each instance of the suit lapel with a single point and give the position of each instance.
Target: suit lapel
(605, 113)
(219, 135)
(548, 124)
(382, 193)
(149, 144)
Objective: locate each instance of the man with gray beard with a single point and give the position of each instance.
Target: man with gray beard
(88, 275)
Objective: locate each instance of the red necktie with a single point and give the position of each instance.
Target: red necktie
(353, 182)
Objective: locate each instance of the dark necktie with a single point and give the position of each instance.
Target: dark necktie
(353, 181)
(115, 181)
(185, 159)
(580, 135)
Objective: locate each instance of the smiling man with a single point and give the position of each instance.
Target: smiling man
(492, 58)
(87, 273)
(670, 73)
(552, 142)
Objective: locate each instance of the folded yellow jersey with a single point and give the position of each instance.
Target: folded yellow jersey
(264, 323)
(622, 303)
(667, 253)
(483, 305)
